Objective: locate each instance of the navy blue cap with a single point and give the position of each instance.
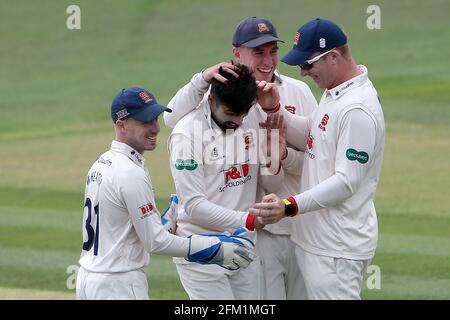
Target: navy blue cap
(136, 103)
(253, 32)
(316, 35)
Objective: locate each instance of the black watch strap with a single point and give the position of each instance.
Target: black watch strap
(290, 209)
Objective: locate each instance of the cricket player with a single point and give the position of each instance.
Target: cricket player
(335, 224)
(216, 170)
(121, 223)
(255, 44)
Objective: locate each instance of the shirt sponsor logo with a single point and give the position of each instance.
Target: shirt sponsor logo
(290, 108)
(344, 88)
(188, 164)
(215, 154)
(360, 156)
(235, 176)
(104, 161)
(134, 153)
(146, 210)
(323, 123)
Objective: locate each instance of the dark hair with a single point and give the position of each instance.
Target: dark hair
(238, 94)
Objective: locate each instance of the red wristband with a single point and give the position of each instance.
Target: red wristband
(276, 109)
(250, 222)
(292, 200)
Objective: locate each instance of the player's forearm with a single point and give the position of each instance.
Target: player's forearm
(271, 183)
(209, 215)
(186, 100)
(171, 245)
(328, 193)
(293, 162)
(297, 129)
(156, 239)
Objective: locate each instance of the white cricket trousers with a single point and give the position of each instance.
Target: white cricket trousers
(130, 285)
(329, 278)
(282, 278)
(211, 282)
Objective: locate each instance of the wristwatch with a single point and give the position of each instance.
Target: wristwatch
(290, 209)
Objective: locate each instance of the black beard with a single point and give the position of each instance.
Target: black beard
(224, 126)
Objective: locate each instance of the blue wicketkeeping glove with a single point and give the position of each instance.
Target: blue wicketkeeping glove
(228, 251)
(169, 216)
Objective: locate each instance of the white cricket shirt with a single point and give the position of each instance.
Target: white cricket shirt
(341, 170)
(295, 98)
(216, 174)
(121, 223)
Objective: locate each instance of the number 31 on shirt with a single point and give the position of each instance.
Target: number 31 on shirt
(92, 235)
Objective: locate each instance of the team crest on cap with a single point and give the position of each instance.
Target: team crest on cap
(296, 38)
(262, 27)
(322, 43)
(122, 113)
(145, 97)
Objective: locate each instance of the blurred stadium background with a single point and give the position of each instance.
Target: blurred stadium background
(56, 86)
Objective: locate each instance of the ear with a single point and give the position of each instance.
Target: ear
(334, 56)
(120, 124)
(212, 103)
(236, 53)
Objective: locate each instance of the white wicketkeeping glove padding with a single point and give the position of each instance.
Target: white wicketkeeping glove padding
(228, 251)
(169, 216)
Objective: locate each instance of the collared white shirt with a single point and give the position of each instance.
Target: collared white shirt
(121, 223)
(295, 98)
(216, 174)
(341, 170)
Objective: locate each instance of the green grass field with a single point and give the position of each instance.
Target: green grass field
(56, 86)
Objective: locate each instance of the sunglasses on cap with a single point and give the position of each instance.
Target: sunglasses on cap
(309, 63)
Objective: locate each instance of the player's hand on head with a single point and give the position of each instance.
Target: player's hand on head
(214, 72)
(228, 251)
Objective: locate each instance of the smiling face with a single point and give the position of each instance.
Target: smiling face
(262, 60)
(141, 136)
(323, 71)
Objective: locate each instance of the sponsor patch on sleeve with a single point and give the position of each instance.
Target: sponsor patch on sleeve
(360, 156)
(146, 210)
(188, 164)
